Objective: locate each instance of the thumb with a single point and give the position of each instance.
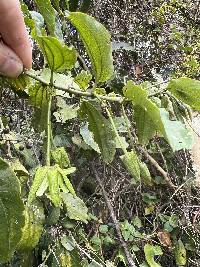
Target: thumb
(10, 63)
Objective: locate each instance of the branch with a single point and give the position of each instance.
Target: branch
(158, 167)
(114, 219)
(73, 91)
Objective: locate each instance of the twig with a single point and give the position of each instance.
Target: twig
(73, 91)
(114, 219)
(83, 62)
(132, 141)
(158, 167)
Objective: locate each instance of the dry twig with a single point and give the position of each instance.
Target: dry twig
(114, 219)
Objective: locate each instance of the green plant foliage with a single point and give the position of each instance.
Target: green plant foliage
(32, 230)
(86, 115)
(83, 79)
(54, 178)
(65, 112)
(40, 176)
(131, 162)
(59, 57)
(157, 119)
(97, 42)
(55, 182)
(11, 212)
(48, 13)
(143, 120)
(180, 253)
(76, 208)
(88, 138)
(187, 90)
(129, 231)
(60, 157)
(20, 83)
(145, 174)
(177, 134)
(102, 130)
(150, 252)
(39, 98)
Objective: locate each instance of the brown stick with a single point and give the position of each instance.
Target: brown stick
(158, 167)
(114, 219)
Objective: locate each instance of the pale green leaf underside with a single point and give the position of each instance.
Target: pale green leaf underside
(175, 132)
(76, 208)
(187, 90)
(97, 42)
(131, 163)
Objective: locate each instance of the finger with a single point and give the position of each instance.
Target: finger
(13, 30)
(10, 63)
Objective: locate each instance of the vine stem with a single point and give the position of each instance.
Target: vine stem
(73, 91)
(127, 126)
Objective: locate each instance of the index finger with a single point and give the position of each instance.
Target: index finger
(13, 30)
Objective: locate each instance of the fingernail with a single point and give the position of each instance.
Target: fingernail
(11, 68)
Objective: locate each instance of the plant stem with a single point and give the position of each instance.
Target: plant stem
(127, 126)
(48, 133)
(158, 167)
(73, 91)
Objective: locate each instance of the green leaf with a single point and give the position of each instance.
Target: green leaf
(97, 42)
(18, 84)
(88, 137)
(150, 252)
(40, 175)
(76, 208)
(59, 57)
(187, 90)
(34, 219)
(67, 182)
(65, 112)
(103, 229)
(11, 212)
(145, 174)
(39, 98)
(137, 222)
(68, 243)
(103, 132)
(178, 136)
(60, 157)
(54, 178)
(158, 120)
(83, 79)
(131, 163)
(180, 253)
(59, 79)
(49, 14)
(144, 123)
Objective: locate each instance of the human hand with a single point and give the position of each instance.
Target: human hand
(15, 47)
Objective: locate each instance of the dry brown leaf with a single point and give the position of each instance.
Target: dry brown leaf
(164, 238)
